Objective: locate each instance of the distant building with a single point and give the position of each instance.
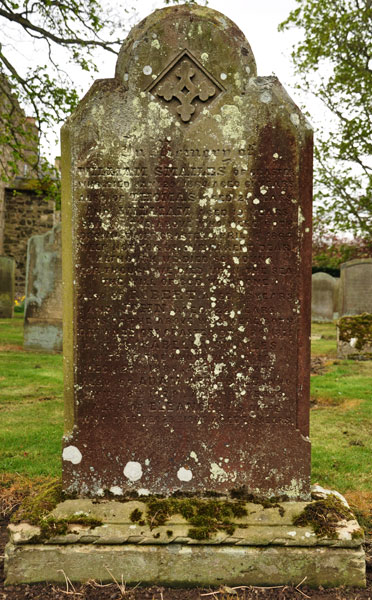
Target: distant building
(23, 211)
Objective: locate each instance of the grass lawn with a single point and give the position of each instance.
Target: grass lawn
(31, 405)
(31, 409)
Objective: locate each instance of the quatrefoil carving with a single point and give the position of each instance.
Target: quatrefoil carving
(186, 86)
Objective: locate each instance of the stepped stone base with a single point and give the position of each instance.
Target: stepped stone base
(265, 549)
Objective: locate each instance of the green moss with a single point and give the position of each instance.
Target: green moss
(358, 534)
(50, 526)
(135, 515)
(205, 516)
(358, 327)
(324, 516)
(35, 507)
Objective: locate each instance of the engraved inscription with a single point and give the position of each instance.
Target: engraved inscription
(186, 86)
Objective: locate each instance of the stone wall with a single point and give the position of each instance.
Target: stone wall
(25, 214)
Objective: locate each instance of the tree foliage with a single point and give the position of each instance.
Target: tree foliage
(40, 83)
(63, 32)
(334, 62)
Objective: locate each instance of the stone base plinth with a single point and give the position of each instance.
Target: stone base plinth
(264, 548)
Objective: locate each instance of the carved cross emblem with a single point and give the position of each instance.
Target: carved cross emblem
(186, 86)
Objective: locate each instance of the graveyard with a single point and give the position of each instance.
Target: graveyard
(31, 391)
(206, 422)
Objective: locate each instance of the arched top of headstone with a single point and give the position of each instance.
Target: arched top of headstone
(355, 262)
(174, 43)
(320, 276)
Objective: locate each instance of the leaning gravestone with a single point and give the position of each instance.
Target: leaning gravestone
(43, 303)
(323, 297)
(356, 287)
(7, 270)
(186, 267)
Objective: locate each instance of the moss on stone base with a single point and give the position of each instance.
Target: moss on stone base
(205, 516)
(324, 516)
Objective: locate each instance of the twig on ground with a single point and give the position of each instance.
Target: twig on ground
(297, 588)
(228, 590)
(68, 585)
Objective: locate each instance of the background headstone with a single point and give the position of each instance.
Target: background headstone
(356, 287)
(187, 264)
(323, 297)
(7, 267)
(354, 337)
(43, 302)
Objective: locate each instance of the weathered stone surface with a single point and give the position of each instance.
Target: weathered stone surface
(260, 527)
(43, 303)
(356, 287)
(354, 337)
(176, 564)
(7, 267)
(187, 270)
(324, 297)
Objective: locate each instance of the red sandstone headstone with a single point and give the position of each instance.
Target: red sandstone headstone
(187, 254)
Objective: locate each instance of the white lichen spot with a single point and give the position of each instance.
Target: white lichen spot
(172, 313)
(155, 44)
(266, 97)
(116, 490)
(268, 261)
(147, 462)
(197, 340)
(147, 70)
(204, 57)
(232, 314)
(307, 229)
(292, 533)
(223, 76)
(133, 470)
(301, 217)
(263, 189)
(248, 70)
(217, 473)
(236, 260)
(295, 119)
(126, 76)
(275, 155)
(219, 368)
(184, 474)
(72, 454)
(194, 456)
(143, 492)
(241, 328)
(256, 201)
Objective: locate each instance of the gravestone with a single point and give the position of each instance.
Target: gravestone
(354, 337)
(323, 297)
(7, 269)
(356, 287)
(186, 269)
(43, 303)
(187, 207)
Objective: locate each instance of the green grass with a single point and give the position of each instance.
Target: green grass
(11, 330)
(31, 406)
(326, 346)
(31, 412)
(341, 418)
